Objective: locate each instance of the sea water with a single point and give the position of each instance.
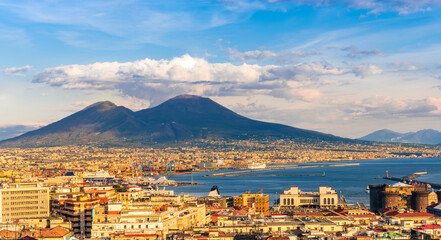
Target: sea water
(350, 181)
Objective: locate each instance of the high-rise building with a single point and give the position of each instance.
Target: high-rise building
(23, 200)
(79, 212)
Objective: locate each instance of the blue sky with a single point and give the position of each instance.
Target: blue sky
(336, 66)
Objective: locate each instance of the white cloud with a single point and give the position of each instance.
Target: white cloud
(435, 102)
(366, 69)
(405, 66)
(385, 107)
(156, 80)
(17, 71)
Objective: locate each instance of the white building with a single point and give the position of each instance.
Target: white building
(294, 198)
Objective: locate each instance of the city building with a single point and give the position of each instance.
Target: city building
(435, 209)
(80, 213)
(219, 202)
(259, 201)
(144, 220)
(416, 197)
(23, 200)
(294, 198)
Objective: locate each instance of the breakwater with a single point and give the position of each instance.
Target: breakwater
(274, 175)
(281, 167)
(411, 179)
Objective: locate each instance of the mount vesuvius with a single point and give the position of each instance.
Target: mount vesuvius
(184, 117)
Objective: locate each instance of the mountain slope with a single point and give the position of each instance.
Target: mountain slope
(184, 117)
(102, 121)
(383, 135)
(193, 116)
(425, 136)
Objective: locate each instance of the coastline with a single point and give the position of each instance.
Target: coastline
(351, 181)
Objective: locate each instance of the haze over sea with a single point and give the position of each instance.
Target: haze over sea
(351, 181)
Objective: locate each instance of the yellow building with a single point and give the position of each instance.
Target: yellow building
(254, 200)
(191, 216)
(432, 198)
(132, 194)
(23, 200)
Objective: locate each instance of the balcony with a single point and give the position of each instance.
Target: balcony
(74, 219)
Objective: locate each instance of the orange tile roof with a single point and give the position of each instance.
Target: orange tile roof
(57, 231)
(6, 234)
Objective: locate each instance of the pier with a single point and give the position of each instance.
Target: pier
(411, 179)
(272, 175)
(277, 167)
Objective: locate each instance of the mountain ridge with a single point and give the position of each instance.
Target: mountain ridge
(183, 117)
(424, 136)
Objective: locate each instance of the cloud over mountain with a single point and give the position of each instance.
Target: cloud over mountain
(384, 107)
(158, 79)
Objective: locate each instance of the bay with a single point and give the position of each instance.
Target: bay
(350, 181)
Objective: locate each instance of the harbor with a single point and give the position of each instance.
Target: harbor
(278, 167)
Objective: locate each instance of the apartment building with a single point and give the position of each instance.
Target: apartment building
(23, 201)
(259, 201)
(80, 213)
(118, 219)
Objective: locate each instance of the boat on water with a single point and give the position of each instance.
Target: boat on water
(256, 165)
